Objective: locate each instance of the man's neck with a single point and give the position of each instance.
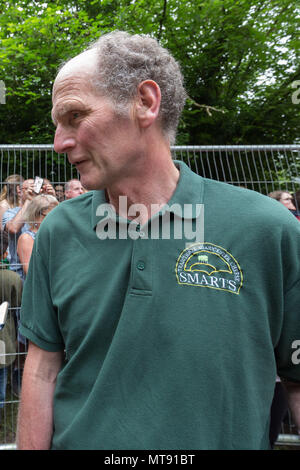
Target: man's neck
(149, 189)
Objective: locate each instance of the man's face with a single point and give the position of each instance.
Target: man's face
(75, 189)
(59, 192)
(101, 145)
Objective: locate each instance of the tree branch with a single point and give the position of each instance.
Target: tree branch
(207, 108)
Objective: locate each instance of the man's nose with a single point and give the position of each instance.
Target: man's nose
(63, 140)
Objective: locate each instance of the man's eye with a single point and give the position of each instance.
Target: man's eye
(75, 115)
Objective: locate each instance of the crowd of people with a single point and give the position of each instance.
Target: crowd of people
(22, 210)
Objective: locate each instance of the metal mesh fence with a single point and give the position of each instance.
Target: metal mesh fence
(259, 168)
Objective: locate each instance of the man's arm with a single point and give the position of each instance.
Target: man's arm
(35, 420)
(293, 396)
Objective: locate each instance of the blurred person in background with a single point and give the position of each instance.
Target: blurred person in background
(288, 200)
(14, 223)
(296, 201)
(73, 188)
(59, 192)
(279, 406)
(10, 194)
(48, 188)
(35, 213)
(11, 292)
(13, 219)
(285, 198)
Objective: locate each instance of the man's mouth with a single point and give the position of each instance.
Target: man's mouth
(79, 163)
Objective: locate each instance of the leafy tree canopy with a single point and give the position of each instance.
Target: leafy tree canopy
(240, 60)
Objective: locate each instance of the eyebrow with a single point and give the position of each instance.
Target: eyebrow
(64, 109)
(56, 113)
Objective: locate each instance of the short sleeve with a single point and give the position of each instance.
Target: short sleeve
(7, 216)
(39, 322)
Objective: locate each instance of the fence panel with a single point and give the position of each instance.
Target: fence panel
(259, 168)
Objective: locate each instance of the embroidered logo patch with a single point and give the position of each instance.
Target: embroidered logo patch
(209, 265)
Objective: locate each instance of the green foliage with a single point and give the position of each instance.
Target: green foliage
(239, 59)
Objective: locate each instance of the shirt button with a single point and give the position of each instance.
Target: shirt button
(141, 265)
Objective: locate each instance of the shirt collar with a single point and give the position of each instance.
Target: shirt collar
(188, 194)
(99, 198)
(185, 202)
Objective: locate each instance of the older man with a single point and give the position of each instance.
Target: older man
(73, 188)
(141, 337)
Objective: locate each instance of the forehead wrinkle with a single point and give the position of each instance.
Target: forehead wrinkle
(67, 91)
(72, 82)
(61, 108)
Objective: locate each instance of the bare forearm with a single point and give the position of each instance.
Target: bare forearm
(14, 225)
(35, 421)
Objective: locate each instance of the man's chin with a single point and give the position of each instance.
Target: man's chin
(91, 185)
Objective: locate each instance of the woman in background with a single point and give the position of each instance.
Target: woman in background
(285, 198)
(37, 210)
(10, 194)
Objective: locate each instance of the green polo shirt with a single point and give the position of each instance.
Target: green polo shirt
(169, 345)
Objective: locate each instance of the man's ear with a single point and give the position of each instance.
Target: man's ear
(148, 103)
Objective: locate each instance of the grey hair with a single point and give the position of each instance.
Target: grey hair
(68, 184)
(38, 205)
(125, 60)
